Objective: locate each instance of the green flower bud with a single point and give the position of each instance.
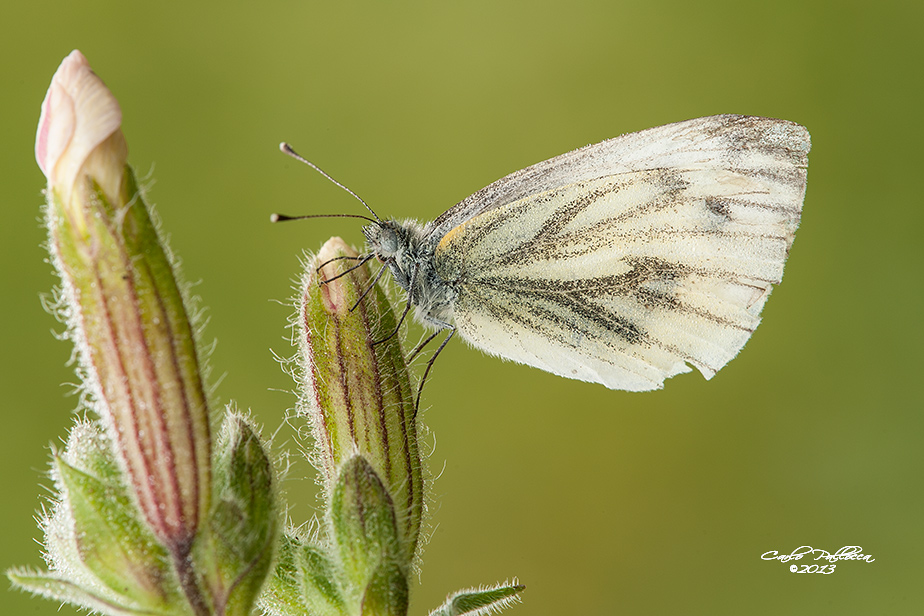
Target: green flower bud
(367, 540)
(363, 520)
(359, 395)
(245, 521)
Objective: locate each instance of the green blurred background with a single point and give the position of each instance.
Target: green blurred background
(601, 502)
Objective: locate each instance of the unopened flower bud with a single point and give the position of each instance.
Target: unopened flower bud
(244, 523)
(366, 536)
(142, 523)
(357, 388)
(124, 309)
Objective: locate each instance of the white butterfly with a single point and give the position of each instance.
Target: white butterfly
(622, 263)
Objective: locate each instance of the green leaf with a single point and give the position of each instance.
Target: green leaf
(303, 582)
(59, 589)
(480, 602)
(387, 592)
(113, 542)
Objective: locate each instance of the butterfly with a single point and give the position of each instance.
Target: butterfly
(624, 262)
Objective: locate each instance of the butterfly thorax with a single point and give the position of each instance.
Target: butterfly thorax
(401, 246)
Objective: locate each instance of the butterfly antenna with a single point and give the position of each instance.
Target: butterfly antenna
(285, 217)
(362, 261)
(287, 149)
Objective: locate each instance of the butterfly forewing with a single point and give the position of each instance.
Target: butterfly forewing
(625, 261)
(748, 145)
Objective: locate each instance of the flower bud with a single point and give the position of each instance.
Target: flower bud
(366, 536)
(139, 525)
(123, 306)
(363, 519)
(244, 522)
(357, 394)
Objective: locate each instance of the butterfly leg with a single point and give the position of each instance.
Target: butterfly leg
(439, 349)
(407, 309)
(369, 288)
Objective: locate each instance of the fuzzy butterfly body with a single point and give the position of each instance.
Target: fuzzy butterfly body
(623, 262)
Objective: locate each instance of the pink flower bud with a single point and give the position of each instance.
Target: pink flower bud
(124, 308)
(79, 133)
